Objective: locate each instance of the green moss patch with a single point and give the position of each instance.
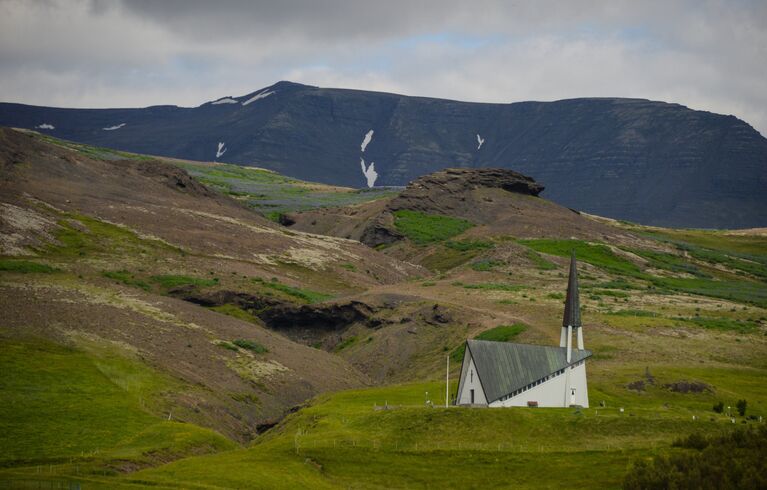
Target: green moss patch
(424, 228)
(250, 345)
(592, 253)
(486, 265)
(170, 281)
(25, 267)
(127, 278)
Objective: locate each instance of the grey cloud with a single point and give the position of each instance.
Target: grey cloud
(705, 54)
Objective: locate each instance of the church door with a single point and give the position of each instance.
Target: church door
(471, 392)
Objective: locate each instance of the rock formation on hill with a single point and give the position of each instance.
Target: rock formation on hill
(500, 201)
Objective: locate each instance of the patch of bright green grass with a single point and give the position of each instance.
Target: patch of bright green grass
(712, 240)
(592, 253)
(60, 403)
(601, 256)
(227, 345)
(250, 345)
(501, 333)
(486, 265)
(347, 342)
(424, 228)
(79, 235)
(670, 262)
(25, 266)
(169, 281)
(126, 278)
(742, 291)
(611, 293)
(742, 253)
(306, 295)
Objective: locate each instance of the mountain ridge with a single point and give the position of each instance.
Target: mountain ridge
(652, 162)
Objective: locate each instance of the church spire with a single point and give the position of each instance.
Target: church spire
(572, 316)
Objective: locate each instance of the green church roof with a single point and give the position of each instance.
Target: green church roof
(504, 367)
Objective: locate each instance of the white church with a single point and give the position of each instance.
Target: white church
(505, 374)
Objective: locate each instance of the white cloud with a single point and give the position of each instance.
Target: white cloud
(105, 53)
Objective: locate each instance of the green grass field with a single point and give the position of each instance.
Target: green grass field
(350, 439)
(84, 412)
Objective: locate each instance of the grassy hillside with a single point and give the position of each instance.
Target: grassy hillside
(388, 438)
(87, 410)
(136, 352)
(273, 194)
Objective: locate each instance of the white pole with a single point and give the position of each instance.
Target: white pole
(447, 382)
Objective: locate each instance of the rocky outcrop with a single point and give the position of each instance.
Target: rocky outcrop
(431, 191)
(452, 192)
(308, 324)
(170, 175)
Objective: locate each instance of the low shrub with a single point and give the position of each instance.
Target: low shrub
(250, 345)
(25, 266)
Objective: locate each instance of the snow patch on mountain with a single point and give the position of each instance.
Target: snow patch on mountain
(366, 141)
(112, 128)
(370, 173)
(480, 140)
(45, 126)
(225, 100)
(261, 95)
(221, 149)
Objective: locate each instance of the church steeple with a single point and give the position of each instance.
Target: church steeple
(572, 317)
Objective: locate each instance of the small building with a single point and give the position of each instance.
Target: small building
(505, 374)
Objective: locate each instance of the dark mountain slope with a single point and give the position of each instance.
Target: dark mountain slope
(633, 159)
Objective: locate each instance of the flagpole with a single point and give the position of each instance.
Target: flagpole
(447, 382)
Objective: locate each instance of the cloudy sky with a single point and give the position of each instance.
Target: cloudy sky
(709, 55)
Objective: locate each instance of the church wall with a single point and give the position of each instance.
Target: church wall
(578, 381)
(554, 392)
(469, 382)
(550, 393)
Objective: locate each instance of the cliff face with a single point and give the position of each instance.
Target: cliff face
(644, 161)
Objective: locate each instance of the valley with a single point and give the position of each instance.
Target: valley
(188, 324)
